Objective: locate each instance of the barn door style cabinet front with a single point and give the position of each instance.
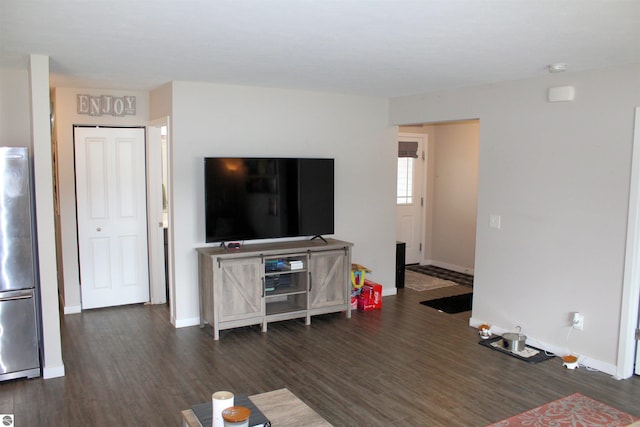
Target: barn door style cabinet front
(270, 282)
(239, 287)
(329, 270)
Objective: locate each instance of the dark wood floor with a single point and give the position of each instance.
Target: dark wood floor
(406, 364)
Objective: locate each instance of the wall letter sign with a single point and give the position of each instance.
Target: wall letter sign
(107, 105)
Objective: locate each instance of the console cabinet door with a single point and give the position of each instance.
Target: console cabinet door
(328, 274)
(240, 294)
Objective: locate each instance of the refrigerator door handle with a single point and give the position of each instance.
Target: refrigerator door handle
(17, 295)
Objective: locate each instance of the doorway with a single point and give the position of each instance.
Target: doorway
(158, 210)
(450, 189)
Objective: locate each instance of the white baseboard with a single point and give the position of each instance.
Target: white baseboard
(52, 372)
(583, 360)
(389, 291)
(183, 323)
(75, 309)
(452, 267)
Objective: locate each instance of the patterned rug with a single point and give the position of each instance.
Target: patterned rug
(442, 273)
(422, 282)
(575, 410)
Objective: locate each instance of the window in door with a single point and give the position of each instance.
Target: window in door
(407, 153)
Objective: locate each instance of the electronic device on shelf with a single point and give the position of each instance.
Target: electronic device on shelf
(233, 245)
(266, 198)
(274, 265)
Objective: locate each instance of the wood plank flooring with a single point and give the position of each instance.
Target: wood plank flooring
(406, 364)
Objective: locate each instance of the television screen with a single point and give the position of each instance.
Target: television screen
(261, 198)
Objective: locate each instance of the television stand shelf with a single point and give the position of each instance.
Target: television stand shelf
(268, 282)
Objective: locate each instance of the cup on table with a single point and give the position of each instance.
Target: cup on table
(220, 400)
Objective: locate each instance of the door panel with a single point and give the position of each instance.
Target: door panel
(100, 262)
(95, 172)
(327, 279)
(112, 223)
(241, 290)
(409, 233)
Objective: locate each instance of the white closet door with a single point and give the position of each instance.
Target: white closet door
(112, 217)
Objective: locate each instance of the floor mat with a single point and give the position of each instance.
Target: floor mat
(423, 282)
(529, 354)
(442, 273)
(451, 305)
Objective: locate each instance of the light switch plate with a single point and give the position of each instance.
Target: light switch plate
(494, 221)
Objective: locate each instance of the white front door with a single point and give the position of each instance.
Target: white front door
(410, 204)
(112, 217)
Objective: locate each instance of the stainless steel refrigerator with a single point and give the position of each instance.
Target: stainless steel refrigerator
(19, 325)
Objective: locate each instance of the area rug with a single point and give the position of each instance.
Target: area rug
(451, 305)
(575, 410)
(442, 273)
(422, 282)
(530, 354)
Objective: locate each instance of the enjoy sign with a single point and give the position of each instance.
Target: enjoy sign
(106, 105)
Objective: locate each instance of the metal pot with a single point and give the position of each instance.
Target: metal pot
(514, 341)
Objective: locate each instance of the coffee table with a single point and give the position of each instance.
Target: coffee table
(281, 407)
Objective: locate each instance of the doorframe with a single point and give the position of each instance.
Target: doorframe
(628, 347)
(157, 288)
(166, 121)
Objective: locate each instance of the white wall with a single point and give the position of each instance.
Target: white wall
(455, 194)
(66, 115)
(220, 120)
(558, 174)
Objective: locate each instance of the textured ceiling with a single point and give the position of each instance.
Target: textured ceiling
(368, 47)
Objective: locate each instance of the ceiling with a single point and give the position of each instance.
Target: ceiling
(382, 48)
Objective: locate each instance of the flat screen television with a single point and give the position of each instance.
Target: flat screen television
(263, 198)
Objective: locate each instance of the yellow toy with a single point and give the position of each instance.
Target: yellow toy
(357, 275)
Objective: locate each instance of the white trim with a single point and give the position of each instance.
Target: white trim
(155, 237)
(631, 281)
(53, 372)
(74, 309)
(184, 323)
(387, 291)
(170, 255)
(452, 267)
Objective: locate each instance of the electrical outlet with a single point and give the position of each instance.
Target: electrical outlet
(578, 321)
